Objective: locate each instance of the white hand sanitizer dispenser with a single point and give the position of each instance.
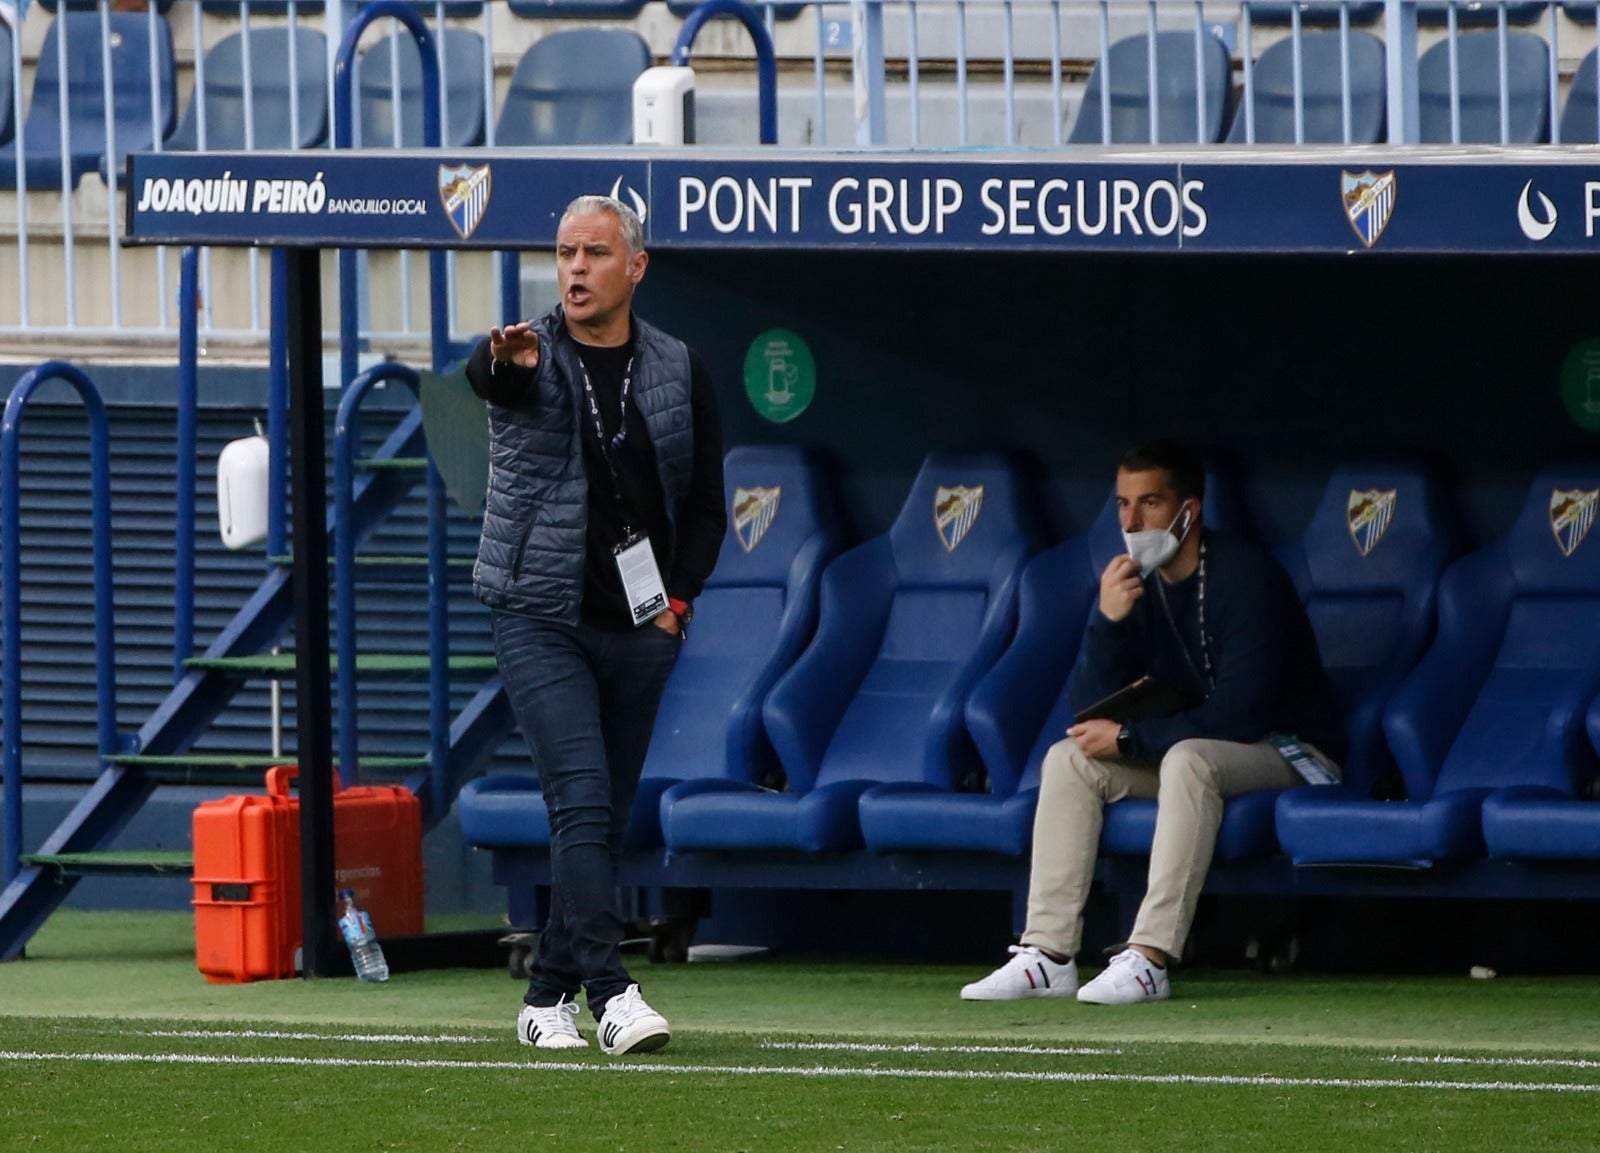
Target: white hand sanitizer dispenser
(663, 106)
(242, 472)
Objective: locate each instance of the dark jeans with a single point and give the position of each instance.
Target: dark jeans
(586, 701)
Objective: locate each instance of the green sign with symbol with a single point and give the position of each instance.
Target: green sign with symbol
(779, 375)
(1580, 384)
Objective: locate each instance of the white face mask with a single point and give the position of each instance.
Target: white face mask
(1153, 547)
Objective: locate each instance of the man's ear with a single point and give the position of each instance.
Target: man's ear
(640, 262)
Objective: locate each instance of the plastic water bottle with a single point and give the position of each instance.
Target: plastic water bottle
(365, 951)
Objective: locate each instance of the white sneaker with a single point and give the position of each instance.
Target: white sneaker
(1029, 973)
(1129, 978)
(550, 1026)
(631, 1026)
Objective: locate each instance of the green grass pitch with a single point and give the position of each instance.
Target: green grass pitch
(110, 1040)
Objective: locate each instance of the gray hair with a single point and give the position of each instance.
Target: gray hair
(632, 226)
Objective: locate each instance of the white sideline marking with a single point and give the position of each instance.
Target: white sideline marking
(874, 1047)
(1262, 1081)
(274, 1035)
(1525, 1062)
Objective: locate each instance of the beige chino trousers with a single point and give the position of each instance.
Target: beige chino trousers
(1189, 787)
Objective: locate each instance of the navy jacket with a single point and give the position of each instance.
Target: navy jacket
(1267, 674)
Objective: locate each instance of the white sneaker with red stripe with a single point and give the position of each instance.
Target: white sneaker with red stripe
(1029, 973)
(1128, 979)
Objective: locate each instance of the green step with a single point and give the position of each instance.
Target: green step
(377, 463)
(119, 862)
(392, 664)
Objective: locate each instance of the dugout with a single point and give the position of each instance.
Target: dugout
(1286, 312)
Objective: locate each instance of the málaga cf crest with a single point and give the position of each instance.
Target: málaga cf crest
(1369, 514)
(1368, 202)
(1571, 515)
(955, 511)
(754, 510)
(465, 192)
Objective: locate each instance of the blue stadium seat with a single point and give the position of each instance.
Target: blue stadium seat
(8, 113)
(1547, 822)
(754, 617)
(1314, 13)
(131, 56)
(271, 78)
(1177, 105)
(52, 6)
(1498, 701)
(261, 7)
(1580, 11)
(452, 8)
(1475, 14)
(1580, 118)
(1021, 708)
(574, 87)
(576, 9)
(909, 621)
(1322, 84)
(1478, 77)
(1367, 569)
(461, 62)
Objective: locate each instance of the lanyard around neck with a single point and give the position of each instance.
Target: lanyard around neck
(1209, 675)
(610, 444)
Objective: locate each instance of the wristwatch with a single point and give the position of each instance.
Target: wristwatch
(1124, 743)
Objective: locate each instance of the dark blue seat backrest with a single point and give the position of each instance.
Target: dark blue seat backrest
(1367, 569)
(1478, 80)
(461, 66)
(133, 54)
(1322, 72)
(574, 87)
(954, 555)
(161, 6)
(1579, 11)
(1436, 13)
(1314, 13)
(1580, 117)
(569, 9)
(272, 80)
(758, 607)
(452, 8)
(1535, 600)
(1178, 81)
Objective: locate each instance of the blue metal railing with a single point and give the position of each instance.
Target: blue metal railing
(11, 584)
(766, 59)
(344, 137)
(346, 446)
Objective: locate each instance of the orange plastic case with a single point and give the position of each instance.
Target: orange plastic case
(247, 873)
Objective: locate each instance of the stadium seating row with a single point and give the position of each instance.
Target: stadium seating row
(1324, 60)
(574, 87)
(900, 695)
(571, 87)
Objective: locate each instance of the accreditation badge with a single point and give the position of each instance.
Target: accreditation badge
(641, 579)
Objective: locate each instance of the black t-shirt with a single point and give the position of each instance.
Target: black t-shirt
(635, 500)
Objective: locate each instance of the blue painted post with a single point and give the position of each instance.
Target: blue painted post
(278, 408)
(185, 464)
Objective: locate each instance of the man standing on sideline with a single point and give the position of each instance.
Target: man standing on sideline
(1218, 621)
(604, 516)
